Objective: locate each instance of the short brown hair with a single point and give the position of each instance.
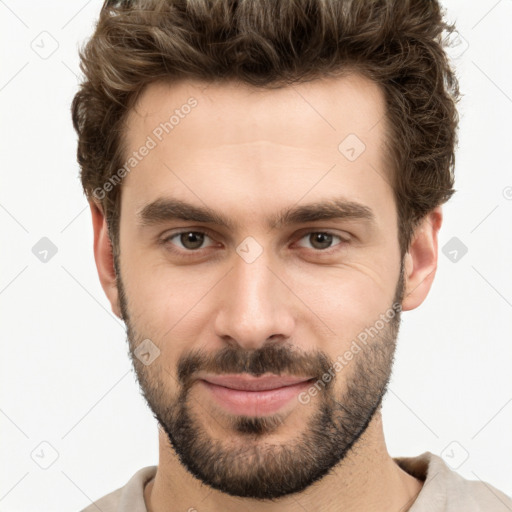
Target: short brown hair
(398, 44)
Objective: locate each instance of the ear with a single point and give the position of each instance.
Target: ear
(104, 257)
(420, 263)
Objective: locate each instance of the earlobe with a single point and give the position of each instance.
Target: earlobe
(420, 262)
(104, 257)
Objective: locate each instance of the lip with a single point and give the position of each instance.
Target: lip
(253, 396)
(250, 383)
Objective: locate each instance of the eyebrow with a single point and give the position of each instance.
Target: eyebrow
(167, 209)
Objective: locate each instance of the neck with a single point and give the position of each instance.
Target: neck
(366, 479)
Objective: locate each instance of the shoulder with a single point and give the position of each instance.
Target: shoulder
(130, 497)
(446, 490)
(108, 503)
(484, 496)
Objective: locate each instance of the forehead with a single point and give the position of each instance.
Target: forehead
(214, 140)
(317, 113)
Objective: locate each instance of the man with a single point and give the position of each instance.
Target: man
(265, 180)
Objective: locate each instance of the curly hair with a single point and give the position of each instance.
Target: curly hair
(398, 44)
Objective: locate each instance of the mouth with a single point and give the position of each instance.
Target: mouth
(254, 396)
(249, 383)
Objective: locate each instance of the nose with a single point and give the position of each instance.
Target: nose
(255, 305)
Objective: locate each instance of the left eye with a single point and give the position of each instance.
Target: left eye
(190, 240)
(321, 240)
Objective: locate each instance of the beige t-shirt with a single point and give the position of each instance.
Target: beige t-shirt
(443, 490)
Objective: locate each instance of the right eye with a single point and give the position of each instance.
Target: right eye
(187, 240)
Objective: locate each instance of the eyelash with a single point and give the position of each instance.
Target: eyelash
(167, 242)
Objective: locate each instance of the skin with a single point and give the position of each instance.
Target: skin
(247, 154)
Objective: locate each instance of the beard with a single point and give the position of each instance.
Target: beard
(253, 467)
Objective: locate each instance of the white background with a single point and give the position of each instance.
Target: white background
(66, 377)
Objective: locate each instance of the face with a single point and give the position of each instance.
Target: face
(258, 237)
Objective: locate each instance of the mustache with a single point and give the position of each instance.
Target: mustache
(276, 358)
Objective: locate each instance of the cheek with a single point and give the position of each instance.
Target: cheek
(167, 304)
(346, 299)
(154, 286)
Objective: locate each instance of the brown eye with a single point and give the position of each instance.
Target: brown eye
(322, 240)
(188, 240)
(192, 239)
